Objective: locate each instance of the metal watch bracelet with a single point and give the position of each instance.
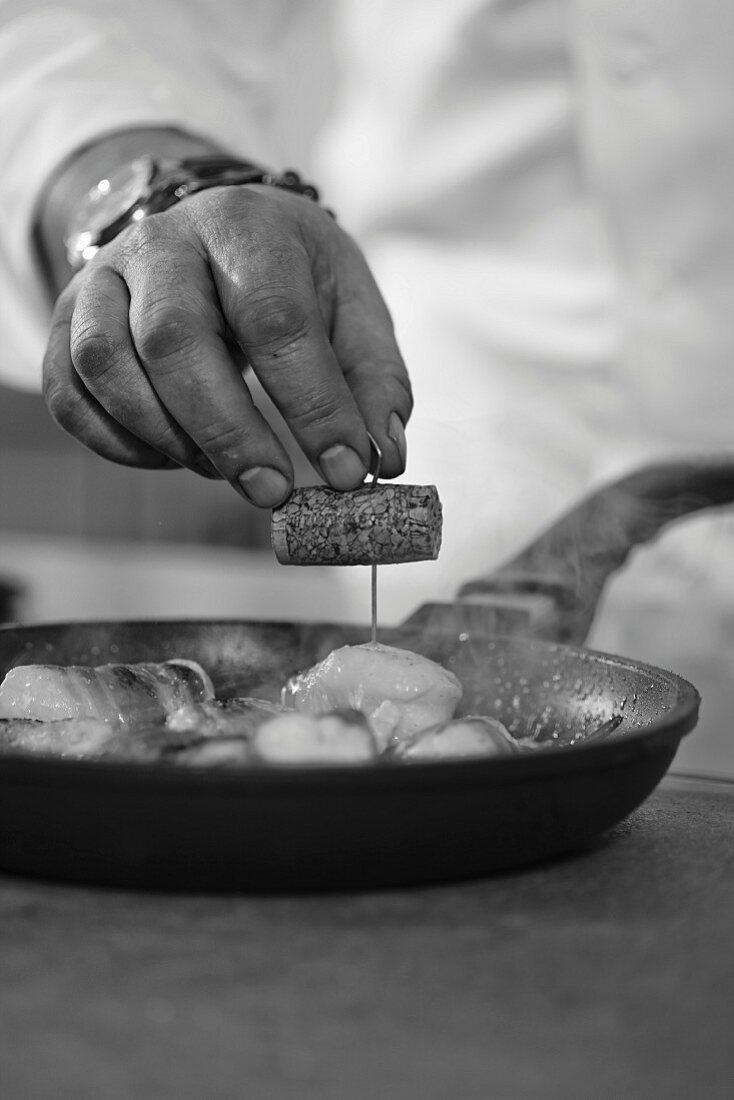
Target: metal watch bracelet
(220, 171)
(168, 182)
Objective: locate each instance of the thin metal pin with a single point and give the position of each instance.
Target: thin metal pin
(376, 463)
(375, 469)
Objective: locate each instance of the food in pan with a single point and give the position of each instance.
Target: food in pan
(77, 737)
(136, 693)
(221, 717)
(463, 737)
(331, 738)
(360, 704)
(255, 730)
(399, 692)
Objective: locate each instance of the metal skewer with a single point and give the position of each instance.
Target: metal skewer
(377, 466)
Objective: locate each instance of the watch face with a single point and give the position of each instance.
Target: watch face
(108, 201)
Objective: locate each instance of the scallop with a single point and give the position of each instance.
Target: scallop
(293, 738)
(460, 739)
(400, 692)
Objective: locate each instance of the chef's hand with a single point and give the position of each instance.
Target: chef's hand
(143, 363)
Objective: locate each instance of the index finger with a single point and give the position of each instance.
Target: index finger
(179, 336)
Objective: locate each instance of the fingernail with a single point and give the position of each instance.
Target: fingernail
(264, 486)
(342, 467)
(396, 432)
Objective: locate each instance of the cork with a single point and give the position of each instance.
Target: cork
(382, 524)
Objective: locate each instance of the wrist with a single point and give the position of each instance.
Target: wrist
(83, 170)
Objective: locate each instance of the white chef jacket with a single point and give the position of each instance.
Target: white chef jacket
(543, 189)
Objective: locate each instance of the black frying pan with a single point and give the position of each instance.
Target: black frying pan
(163, 826)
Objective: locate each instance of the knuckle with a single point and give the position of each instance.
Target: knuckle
(155, 243)
(165, 331)
(221, 441)
(395, 381)
(274, 320)
(317, 410)
(217, 216)
(142, 237)
(220, 206)
(385, 377)
(93, 353)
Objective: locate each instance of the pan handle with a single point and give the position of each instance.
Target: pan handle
(560, 577)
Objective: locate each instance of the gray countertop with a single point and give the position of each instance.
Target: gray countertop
(609, 974)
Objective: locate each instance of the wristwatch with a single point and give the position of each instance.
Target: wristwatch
(148, 185)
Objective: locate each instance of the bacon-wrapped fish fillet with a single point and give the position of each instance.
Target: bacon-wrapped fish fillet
(237, 717)
(213, 731)
(73, 737)
(217, 732)
(117, 694)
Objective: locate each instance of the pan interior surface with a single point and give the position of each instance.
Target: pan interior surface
(168, 827)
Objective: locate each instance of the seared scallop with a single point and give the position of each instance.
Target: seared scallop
(460, 739)
(400, 692)
(337, 738)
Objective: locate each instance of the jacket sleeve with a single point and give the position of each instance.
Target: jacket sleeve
(70, 72)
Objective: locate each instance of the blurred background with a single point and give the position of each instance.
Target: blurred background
(84, 538)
